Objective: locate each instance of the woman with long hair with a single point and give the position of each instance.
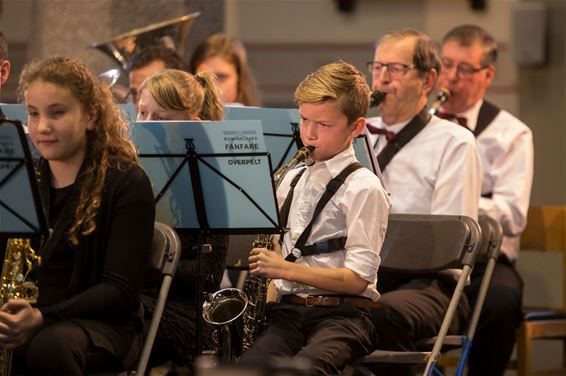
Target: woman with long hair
(226, 57)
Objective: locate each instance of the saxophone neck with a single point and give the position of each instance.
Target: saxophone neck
(302, 154)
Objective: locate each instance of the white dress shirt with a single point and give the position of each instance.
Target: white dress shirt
(437, 172)
(359, 211)
(507, 154)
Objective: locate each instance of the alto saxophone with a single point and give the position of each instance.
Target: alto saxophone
(256, 287)
(19, 260)
(226, 307)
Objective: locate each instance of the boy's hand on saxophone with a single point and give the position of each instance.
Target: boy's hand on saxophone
(266, 263)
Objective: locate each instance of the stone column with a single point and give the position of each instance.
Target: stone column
(69, 27)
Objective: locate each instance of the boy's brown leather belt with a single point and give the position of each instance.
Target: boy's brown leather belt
(329, 300)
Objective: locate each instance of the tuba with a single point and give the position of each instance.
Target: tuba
(170, 33)
(241, 314)
(19, 260)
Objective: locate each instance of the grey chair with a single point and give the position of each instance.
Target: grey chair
(492, 236)
(165, 257)
(417, 243)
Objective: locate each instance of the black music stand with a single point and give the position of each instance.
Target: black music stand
(21, 210)
(204, 181)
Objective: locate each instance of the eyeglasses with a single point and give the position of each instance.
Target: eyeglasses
(394, 69)
(464, 70)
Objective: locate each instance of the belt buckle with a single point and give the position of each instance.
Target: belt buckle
(307, 304)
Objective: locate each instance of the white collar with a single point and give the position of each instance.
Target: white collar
(471, 115)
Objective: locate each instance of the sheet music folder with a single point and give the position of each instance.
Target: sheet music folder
(21, 212)
(213, 176)
(281, 131)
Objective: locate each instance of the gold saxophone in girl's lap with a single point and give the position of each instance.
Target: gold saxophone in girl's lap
(19, 261)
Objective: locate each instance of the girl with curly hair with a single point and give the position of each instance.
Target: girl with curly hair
(99, 205)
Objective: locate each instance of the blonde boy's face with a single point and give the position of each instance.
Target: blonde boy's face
(324, 126)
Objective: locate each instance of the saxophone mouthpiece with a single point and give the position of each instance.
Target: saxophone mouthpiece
(376, 98)
(441, 97)
(309, 149)
(303, 153)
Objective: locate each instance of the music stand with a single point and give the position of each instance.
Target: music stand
(21, 211)
(209, 177)
(280, 129)
(15, 111)
(20, 113)
(282, 137)
(129, 110)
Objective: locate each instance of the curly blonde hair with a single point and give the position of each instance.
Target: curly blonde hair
(196, 95)
(108, 144)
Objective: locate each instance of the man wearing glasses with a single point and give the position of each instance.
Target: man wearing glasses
(430, 166)
(506, 147)
(4, 66)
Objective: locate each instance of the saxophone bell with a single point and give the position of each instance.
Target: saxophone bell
(224, 306)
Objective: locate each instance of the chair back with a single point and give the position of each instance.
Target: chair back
(542, 241)
(492, 236)
(421, 243)
(166, 251)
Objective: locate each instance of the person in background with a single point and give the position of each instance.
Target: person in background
(148, 61)
(429, 166)
(177, 95)
(4, 66)
(226, 57)
(4, 75)
(100, 210)
(173, 94)
(468, 56)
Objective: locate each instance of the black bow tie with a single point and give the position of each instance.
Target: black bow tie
(389, 136)
(453, 118)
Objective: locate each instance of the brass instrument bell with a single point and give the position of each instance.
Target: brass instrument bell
(171, 33)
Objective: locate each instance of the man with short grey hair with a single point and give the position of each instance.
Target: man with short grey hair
(468, 57)
(429, 166)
